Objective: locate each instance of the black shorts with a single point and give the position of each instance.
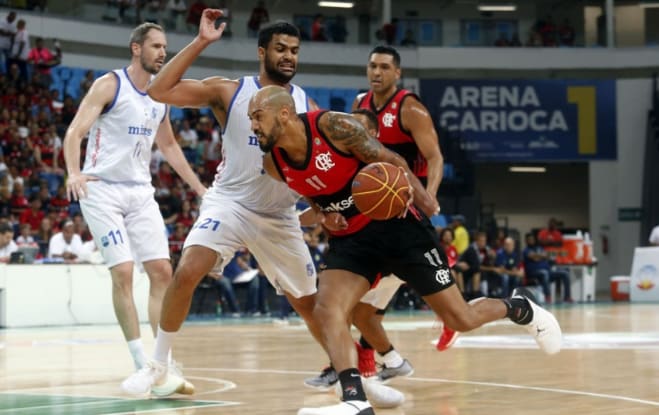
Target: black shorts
(408, 248)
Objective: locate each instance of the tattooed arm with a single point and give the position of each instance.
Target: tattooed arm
(348, 135)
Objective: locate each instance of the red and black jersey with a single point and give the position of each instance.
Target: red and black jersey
(325, 176)
(392, 133)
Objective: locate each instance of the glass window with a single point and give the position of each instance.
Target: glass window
(485, 32)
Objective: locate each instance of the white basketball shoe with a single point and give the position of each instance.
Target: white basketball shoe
(543, 326)
(158, 379)
(344, 408)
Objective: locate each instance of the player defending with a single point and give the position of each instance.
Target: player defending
(408, 246)
(114, 187)
(244, 207)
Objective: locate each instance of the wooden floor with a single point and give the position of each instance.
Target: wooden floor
(609, 365)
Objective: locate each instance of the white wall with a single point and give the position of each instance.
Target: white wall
(47, 295)
(618, 184)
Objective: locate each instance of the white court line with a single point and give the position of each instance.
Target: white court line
(137, 411)
(459, 382)
(224, 403)
(118, 400)
(538, 388)
(61, 405)
(228, 385)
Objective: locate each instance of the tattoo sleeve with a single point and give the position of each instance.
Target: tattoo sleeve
(349, 133)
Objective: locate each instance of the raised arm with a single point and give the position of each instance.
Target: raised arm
(100, 94)
(168, 87)
(417, 120)
(347, 134)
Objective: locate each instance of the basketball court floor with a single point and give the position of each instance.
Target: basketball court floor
(609, 365)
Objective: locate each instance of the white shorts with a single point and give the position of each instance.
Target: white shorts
(275, 241)
(380, 296)
(125, 221)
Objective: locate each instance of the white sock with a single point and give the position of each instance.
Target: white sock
(392, 359)
(164, 341)
(137, 351)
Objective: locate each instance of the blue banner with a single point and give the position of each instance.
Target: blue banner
(527, 120)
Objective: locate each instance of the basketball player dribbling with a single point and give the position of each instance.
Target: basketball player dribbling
(368, 315)
(408, 246)
(114, 187)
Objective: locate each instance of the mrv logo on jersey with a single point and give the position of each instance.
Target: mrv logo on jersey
(141, 130)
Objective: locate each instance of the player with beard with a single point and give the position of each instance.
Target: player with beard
(408, 246)
(114, 187)
(244, 206)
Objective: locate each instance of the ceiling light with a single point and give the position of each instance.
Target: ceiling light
(497, 7)
(336, 4)
(527, 169)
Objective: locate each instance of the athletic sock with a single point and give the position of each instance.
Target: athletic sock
(136, 348)
(164, 342)
(518, 310)
(364, 344)
(351, 385)
(392, 358)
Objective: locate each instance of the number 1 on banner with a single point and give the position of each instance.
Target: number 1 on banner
(584, 98)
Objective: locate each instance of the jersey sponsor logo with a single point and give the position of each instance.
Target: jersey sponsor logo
(253, 141)
(388, 119)
(141, 130)
(340, 205)
(324, 161)
(311, 271)
(443, 276)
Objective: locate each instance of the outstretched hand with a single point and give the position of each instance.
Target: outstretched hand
(207, 29)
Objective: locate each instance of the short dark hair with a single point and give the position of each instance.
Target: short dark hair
(138, 35)
(5, 227)
(370, 115)
(387, 50)
(276, 28)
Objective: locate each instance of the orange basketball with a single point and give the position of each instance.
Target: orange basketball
(380, 191)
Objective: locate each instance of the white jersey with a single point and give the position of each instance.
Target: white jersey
(240, 176)
(120, 141)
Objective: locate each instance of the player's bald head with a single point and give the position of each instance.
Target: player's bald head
(273, 97)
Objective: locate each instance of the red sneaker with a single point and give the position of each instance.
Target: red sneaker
(447, 338)
(366, 361)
